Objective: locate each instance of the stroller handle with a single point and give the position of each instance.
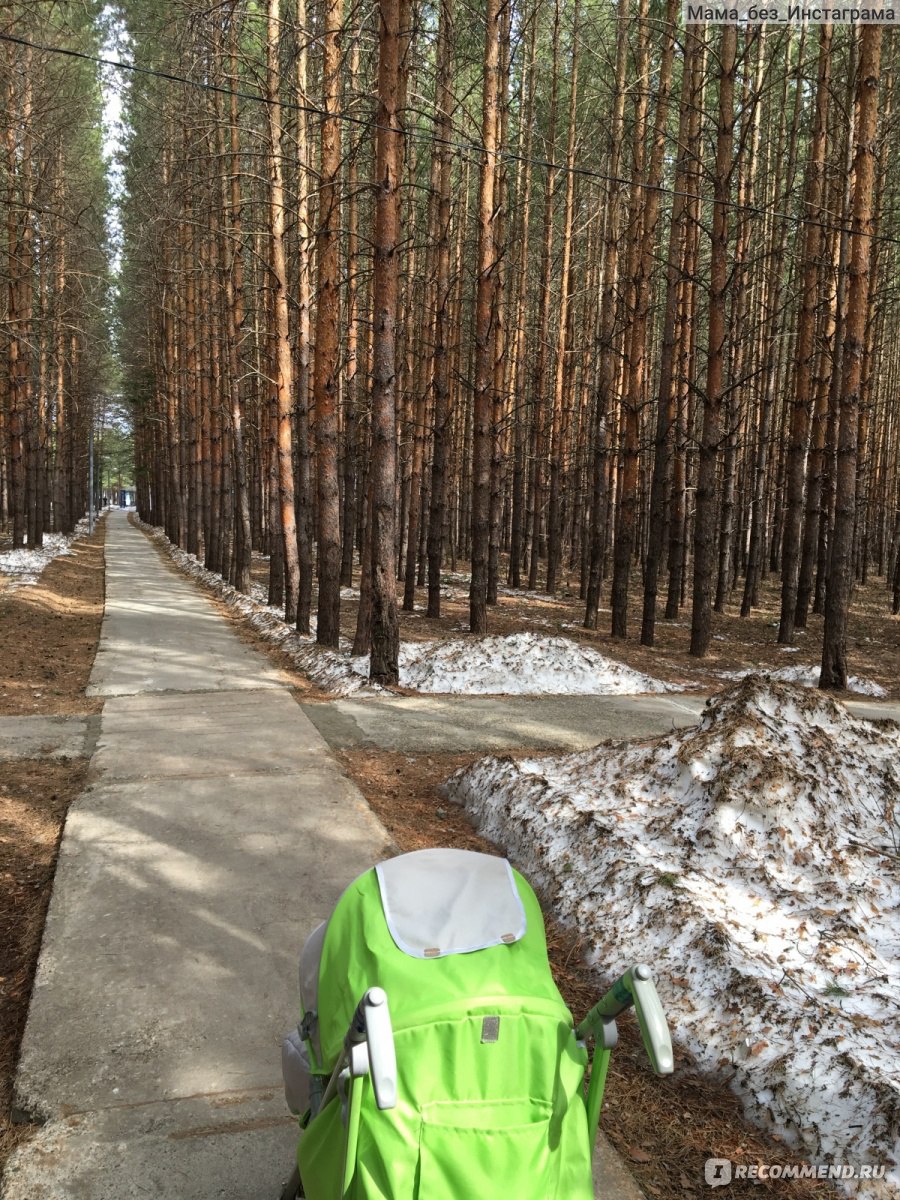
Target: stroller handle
(636, 988)
(372, 1024)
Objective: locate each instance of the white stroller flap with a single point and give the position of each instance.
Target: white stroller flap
(439, 902)
(296, 1073)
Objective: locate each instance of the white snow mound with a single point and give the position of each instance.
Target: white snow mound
(754, 861)
(809, 677)
(23, 567)
(521, 664)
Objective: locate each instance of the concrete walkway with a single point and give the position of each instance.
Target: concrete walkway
(47, 737)
(216, 832)
(475, 724)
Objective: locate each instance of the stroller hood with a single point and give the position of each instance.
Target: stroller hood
(436, 929)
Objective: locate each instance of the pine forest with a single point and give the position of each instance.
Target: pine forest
(556, 295)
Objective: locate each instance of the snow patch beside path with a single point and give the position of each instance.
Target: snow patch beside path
(24, 568)
(809, 677)
(331, 671)
(523, 664)
(754, 862)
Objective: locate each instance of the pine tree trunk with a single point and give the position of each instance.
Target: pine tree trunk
(304, 505)
(646, 211)
(711, 437)
(666, 396)
(542, 352)
(840, 571)
(440, 365)
(327, 348)
(806, 349)
(554, 531)
(384, 660)
(518, 372)
(607, 352)
(484, 326)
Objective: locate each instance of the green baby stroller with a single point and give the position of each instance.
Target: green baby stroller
(436, 1059)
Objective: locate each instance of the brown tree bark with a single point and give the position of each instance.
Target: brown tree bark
(646, 212)
(283, 361)
(384, 659)
(440, 364)
(327, 349)
(840, 574)
(554, 530)
(606, 348)
(806, 348)
(484, 326)
(519, 373)
(691, 84)
(711, 437)
(304, 505)
(541, 372)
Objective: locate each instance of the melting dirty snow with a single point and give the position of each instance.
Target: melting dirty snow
(523, 664)
(23, 568)
(809, 677)
(753, 861)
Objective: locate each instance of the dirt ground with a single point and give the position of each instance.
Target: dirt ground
(48, 638)
(739, 644)
(665, 1128)
(49, 633)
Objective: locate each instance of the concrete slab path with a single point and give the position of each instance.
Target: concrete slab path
(46, 737)
(216, 832)
(464, 724)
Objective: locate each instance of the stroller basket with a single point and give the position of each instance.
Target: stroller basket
(435, 1058)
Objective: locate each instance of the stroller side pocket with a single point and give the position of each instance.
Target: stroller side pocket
(295, 1070)
(488, 1149)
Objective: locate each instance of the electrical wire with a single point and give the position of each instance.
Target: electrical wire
(462, 147)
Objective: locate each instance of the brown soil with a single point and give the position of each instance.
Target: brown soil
(49, 633)
(34, 798)
(48, 639)
(664, 1128)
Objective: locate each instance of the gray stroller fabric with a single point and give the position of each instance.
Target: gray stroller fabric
(310, 957)
(439, 902)
(296, 1073)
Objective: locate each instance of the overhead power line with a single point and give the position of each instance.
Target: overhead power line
(462, 147)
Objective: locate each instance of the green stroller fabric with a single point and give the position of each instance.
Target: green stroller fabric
(489, 1073)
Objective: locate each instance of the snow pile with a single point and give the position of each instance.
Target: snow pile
(24, 567)
(809, 677)
(754, 861)
(330, 670)
(522, 664)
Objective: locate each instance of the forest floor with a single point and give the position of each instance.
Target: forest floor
(739, 644)
(48, 638)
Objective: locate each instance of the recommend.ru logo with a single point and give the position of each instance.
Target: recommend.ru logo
(717, 1171)
(720, 1171)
